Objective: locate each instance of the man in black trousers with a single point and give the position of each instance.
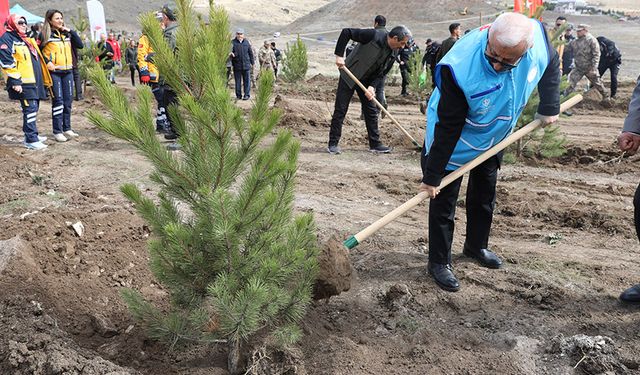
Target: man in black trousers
(370, 60)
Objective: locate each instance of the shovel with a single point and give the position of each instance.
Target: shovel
(356, 239)
(382, 108)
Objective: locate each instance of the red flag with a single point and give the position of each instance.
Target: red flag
(4, 14)
(517, 6)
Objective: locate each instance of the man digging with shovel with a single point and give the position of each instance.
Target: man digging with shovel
(371, 59)
(483, 84)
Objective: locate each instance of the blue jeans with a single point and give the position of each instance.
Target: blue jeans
(62, 99)
(242, 78)
(29, 114)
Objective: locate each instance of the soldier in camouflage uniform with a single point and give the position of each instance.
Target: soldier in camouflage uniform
(586, 54)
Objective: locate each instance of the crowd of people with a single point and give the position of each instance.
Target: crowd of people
(482, 81)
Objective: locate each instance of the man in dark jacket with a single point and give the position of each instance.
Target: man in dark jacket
(567, 53)
(243, 60)
(169, 98)
(369, 61)
(429, 58)
(456, 31)
(610, 58)
(403, 59)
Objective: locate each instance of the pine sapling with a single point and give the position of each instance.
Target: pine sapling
(295, 63)
(226, 245)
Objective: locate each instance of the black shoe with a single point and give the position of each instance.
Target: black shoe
(380, 149)
(423, 108)
(567, 113)
(245, 98)
(334, 149)
(404, 94)
(631, 295)
(443, 276)
(170, 134)
(485, 257)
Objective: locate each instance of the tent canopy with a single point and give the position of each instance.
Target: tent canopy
(31, 18)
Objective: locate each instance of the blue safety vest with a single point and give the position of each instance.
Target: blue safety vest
(496, 99)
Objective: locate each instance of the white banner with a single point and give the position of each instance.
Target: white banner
(95, 10)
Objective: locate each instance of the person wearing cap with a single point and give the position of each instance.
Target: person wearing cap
(482, 85)
(586, 55)
(266, 57)
(26, 76)
(243, 60)
(429, 58)
(168, 96)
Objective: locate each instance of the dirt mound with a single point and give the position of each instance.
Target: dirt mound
(335, 272)
(298, 116)
(592, 354)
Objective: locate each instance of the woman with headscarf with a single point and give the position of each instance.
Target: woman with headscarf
(57, 43)
(27, 76)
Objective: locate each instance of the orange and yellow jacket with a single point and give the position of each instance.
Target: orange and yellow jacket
(58, 49)
(18, 64)
(145, 53)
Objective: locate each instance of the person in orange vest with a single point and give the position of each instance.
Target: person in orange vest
(27, 76)
(57, 42)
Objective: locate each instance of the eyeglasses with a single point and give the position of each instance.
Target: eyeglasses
(22, 22)
(505, 65)
(558, 24)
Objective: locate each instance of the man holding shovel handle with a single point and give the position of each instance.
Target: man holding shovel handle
(371, 59)
(483, 83)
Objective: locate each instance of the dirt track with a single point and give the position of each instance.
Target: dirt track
(563, 226)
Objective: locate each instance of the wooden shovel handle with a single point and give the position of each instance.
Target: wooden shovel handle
(382, 108)
(354, 240)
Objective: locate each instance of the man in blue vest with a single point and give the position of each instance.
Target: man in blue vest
(482, 86)
(369, 61)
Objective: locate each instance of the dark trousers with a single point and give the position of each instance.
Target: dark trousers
(29, 115)
(343, 98)
(636, 211)
(161, 114)
(243, 80)
(378, 85)
(613, 69)
(62, 99)
(168, 98)
(77, 83)
(481, 199)
(132, 69)
(405, 79)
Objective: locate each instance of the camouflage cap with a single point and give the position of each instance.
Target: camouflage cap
(582, 26)
(168, 11)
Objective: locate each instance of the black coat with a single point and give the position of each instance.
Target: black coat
(243, 54)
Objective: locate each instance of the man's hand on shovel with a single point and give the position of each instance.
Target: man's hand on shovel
(339, 61)
(370, 93)
(431, 190)
(545, 120)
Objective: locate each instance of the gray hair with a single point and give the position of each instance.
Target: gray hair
(511, 29)
(401, 32)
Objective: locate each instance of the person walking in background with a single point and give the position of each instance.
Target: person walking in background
(266, 57)
(567, 54)
(586, 54)
(374, 56)
(429, 58)
(27, 76)
(403, 61)
(610, 59)
(482, 85)
(105, 58)
(455, 32)
(170, 26)
(117, 56)
(149, 76)
(243, 60)
(131, 58)
(57, 44)
(278, 55)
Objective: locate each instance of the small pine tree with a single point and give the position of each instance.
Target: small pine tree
(225, 243)
(294, 62)
(419, 78)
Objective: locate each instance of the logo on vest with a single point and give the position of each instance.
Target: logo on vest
(532, 74)
(486, 103)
